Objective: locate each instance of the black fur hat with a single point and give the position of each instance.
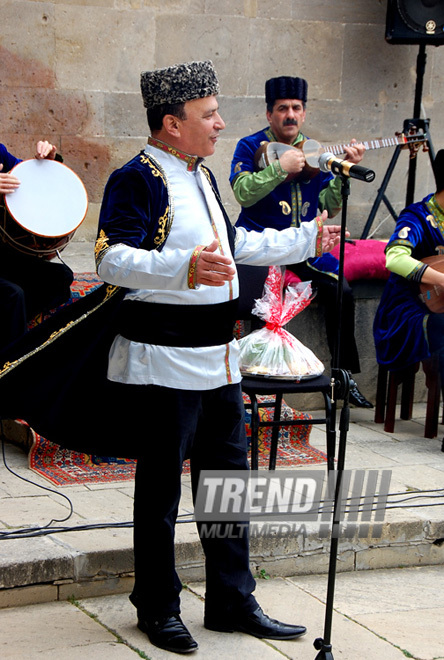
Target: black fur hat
(178, 83)
(285, 87)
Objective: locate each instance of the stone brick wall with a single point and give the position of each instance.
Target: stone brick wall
(70, 73)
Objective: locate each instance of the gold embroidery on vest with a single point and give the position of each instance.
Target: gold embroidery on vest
(431, 219)
(155, 170)
(161, 232)
(101, 243)
(305, 207)
(286, 209)
(404, 232)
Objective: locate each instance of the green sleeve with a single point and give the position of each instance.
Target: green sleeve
(398, 260)
(251, 187)
(330, 198)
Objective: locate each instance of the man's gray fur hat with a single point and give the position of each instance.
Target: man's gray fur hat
(285, 87)
(178, 83)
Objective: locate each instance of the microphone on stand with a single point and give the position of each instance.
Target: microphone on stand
(329, 163)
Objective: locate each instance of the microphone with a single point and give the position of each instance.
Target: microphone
(329, 163)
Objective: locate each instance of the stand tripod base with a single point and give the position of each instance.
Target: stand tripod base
(324, 649)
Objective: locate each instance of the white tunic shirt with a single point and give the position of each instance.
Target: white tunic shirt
(162, 277)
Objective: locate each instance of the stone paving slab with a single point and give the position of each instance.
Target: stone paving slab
(31, 629)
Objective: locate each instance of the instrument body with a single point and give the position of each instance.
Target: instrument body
(433, 296)
(42, 215)
(271, 151)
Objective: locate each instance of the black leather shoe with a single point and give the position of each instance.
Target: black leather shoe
(257, 624)
(168, 633)
(358, 399)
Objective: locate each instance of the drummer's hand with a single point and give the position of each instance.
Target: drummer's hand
(292, 161)
(8, 182)
(354, 152)
(45, 150)
(213, 268)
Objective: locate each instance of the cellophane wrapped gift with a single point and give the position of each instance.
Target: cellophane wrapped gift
(272, 351)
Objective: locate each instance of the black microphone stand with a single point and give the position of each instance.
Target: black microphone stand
(341, 383)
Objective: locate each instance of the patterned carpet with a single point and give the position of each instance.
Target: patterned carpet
(64, 467)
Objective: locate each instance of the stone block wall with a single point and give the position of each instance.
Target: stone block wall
(70, 73)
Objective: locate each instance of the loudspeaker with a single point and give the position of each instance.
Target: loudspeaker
(415, 22)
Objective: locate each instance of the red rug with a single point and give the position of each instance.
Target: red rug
(64, 467)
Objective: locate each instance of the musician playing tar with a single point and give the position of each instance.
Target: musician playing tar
(164, 235)
(279, 196)
(405, 329)
(28, 285)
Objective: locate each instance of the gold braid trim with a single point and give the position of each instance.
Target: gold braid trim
(8, 366)
(162, 232)
(166, 220)
(193, 264)
(101, 247)
(155, 168)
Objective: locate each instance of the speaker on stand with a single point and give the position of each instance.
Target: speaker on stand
(415, 22)
(411, 22)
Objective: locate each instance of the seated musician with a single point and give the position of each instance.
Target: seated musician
(279, 197)
(406, 331)
(29, 284)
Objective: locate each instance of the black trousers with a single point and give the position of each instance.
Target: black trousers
(327, 288)
(209, 428)
(28, 286)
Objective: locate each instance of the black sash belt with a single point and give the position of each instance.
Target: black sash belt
(178, 325)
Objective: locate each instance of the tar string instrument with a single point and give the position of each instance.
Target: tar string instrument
(271, 151)
(41, 216)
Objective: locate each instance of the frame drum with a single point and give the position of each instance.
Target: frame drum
(42, 215)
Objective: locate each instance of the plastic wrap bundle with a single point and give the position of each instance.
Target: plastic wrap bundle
(272, 351)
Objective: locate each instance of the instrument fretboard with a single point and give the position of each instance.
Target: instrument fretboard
(338, 149)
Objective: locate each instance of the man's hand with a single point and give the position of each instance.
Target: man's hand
(292, 161)
(8, 182)
(45, 150)
(331, 237)
(213, 268)
(331, 234)
(354, 154)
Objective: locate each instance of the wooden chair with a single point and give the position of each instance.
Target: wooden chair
(388, 385)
